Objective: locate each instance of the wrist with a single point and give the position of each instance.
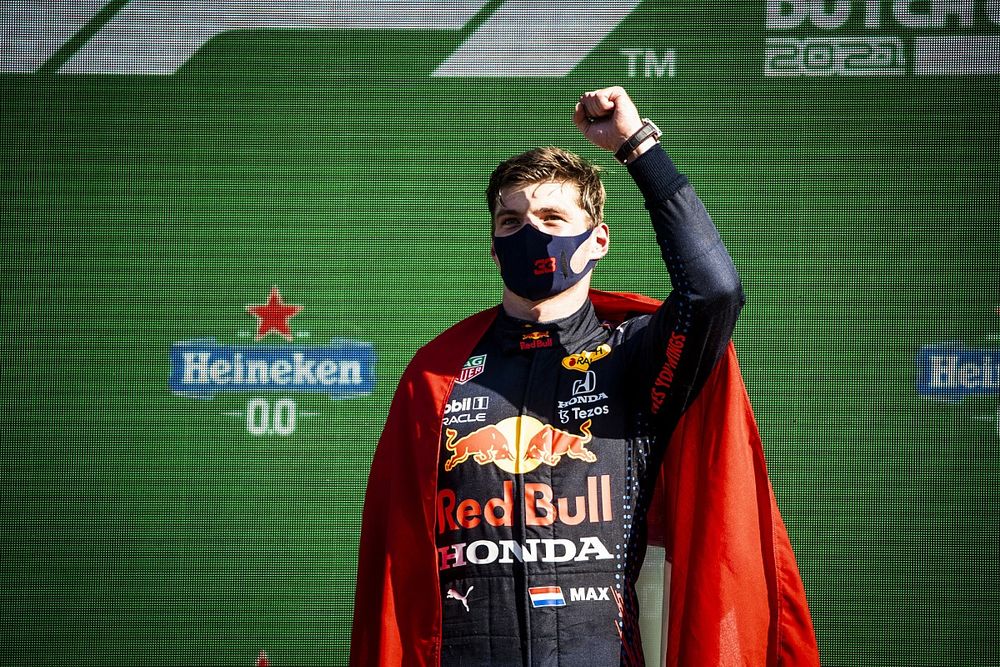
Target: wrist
(640, 142)
(640, 149)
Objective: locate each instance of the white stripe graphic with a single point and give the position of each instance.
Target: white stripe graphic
(956, 55)
(536, 38)
(157, 37)
(33, 31)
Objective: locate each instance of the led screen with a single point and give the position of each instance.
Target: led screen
(229, 225)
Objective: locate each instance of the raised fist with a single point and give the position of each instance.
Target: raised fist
(607, 117)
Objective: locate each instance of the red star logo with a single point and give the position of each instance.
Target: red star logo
(274, 315)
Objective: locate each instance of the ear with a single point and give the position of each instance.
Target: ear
(600, 241)
(493, 254)
(595, 247)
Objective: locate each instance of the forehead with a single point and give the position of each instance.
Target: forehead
(560, 195)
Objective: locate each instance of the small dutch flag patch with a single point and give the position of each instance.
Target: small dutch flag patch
(546, 596)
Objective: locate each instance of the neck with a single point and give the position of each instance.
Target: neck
(555, 307)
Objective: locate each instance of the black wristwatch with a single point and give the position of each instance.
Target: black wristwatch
(647, 130)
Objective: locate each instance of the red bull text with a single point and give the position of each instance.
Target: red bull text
(535, 340)
(541, 507)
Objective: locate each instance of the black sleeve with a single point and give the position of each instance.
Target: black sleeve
(676, 348)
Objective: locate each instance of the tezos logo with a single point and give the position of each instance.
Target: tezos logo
(204, 368)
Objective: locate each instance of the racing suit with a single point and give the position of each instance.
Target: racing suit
(550, 445)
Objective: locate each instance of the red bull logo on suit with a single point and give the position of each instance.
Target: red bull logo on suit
(541, 506)
(518, 445)
(535, 340)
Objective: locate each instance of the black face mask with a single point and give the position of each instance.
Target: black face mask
(535, 265)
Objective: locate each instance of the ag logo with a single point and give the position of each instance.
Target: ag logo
(581, 361)
(472, 368)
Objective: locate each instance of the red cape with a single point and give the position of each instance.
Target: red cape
(736, 597)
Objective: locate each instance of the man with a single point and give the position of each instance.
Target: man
(506, 512)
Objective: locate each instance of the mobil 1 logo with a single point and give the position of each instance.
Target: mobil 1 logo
(276, 385)
(467, 410)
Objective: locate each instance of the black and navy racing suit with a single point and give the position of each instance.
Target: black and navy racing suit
(551, 442)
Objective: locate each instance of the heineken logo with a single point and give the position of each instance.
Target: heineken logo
(273, 379)
(340, 369)
(952, 371)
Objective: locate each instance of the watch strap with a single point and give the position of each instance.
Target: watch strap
(647, 130)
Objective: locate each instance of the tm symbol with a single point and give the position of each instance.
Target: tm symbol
(652, 64)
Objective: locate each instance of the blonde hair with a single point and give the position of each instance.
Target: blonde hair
(551, 164)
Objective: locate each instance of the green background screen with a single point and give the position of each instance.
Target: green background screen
(167, 164)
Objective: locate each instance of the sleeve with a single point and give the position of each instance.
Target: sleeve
(683, 340)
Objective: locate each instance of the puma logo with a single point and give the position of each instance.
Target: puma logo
(464, 599)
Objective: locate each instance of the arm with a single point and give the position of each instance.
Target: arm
(687, 335)
(678, 346)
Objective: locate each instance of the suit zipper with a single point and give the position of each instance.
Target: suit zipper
(522, 521)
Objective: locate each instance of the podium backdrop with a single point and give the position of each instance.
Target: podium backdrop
(185, 453)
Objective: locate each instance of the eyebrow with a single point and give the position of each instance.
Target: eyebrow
(547, 209)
